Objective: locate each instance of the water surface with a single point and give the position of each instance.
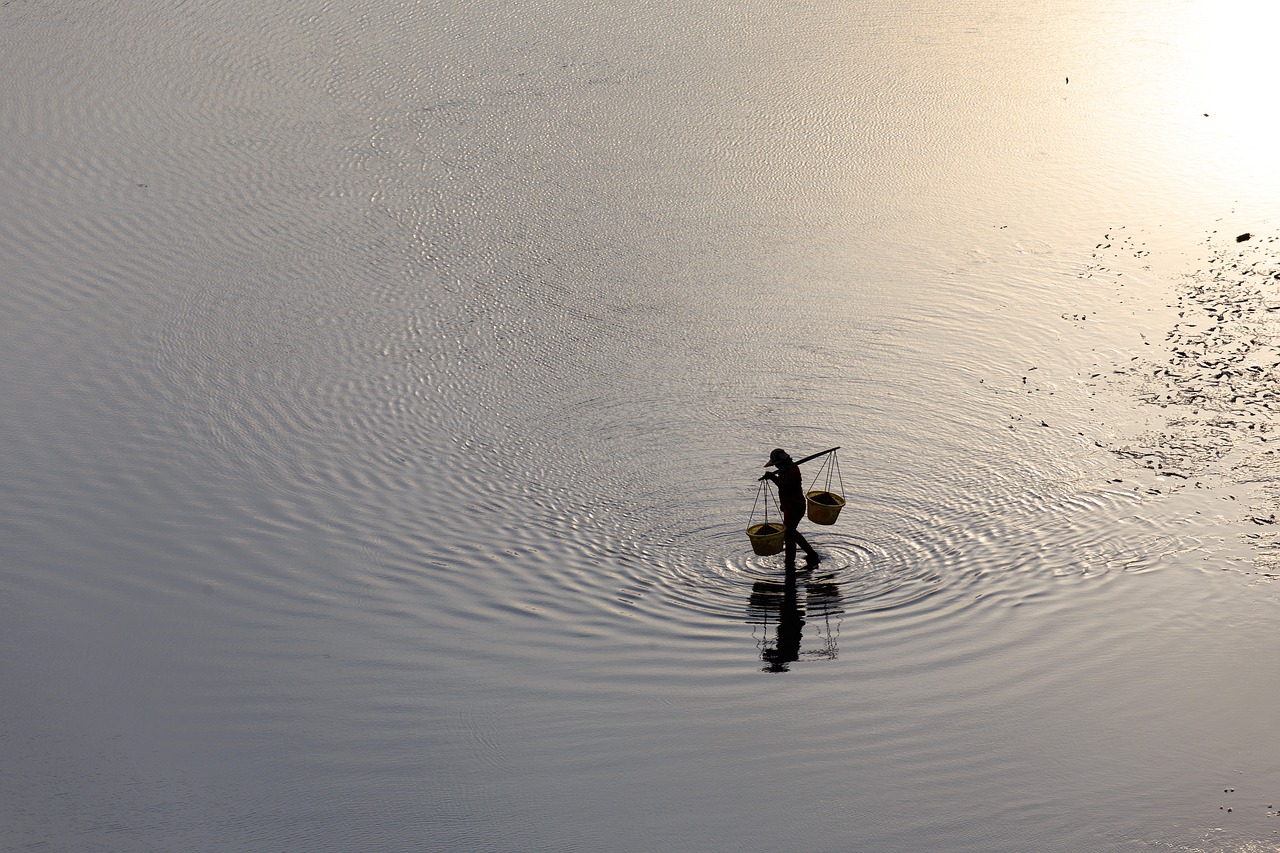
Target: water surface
(386, 385)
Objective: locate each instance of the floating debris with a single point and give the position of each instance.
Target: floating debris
(1218, 377)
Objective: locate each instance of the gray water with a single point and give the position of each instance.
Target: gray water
(385, 385)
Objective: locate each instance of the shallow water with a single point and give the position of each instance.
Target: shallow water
(386, 385)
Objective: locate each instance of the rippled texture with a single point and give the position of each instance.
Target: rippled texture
(386, 385)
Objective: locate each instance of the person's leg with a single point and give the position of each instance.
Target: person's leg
(790, 540)
(790, 522)
(809, 553)
(794, 537)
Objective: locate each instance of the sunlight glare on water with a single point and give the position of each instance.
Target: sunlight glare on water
(1226, 68)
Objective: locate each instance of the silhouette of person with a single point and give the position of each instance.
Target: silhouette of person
(792, 501)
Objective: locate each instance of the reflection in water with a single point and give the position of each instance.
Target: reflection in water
(780, 604)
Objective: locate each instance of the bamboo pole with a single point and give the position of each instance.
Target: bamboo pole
(816, 455)
(812, 456)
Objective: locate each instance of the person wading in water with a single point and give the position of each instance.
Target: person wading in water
(792, 501)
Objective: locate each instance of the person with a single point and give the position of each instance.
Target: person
(792, 501)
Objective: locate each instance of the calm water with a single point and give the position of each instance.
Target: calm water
(385, 385)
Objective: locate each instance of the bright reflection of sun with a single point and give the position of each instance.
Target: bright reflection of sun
(1230, 69)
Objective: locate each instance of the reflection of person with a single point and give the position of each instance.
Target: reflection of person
(782, 603)
(790, 624)
(791, 499)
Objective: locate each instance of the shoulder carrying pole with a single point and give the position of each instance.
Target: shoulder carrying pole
(807, 458)
(816, 455)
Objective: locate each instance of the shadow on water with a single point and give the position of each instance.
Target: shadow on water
(779, 606)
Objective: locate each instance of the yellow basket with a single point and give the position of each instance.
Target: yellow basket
(823, 507)
(766, 539)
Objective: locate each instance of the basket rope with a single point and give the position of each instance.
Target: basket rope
(830, 466)
(764, 486)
